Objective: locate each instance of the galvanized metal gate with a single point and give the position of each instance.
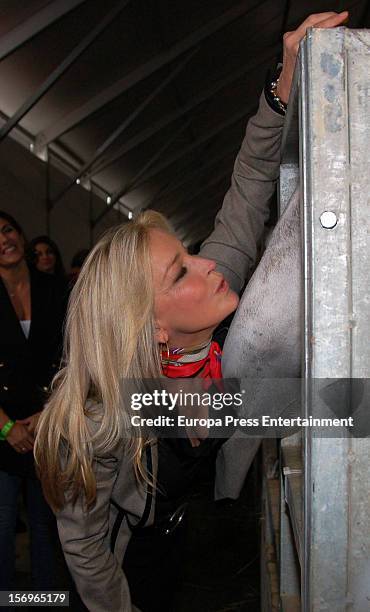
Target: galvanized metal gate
(323, 554)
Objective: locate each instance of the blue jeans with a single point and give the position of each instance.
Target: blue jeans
(43, 533)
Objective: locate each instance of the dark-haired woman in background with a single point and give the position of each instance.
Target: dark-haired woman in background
(44, 254)
(32, 306)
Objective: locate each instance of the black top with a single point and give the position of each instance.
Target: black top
(181, 467)
(27, 366)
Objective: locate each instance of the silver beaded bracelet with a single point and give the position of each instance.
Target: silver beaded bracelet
(273, 90)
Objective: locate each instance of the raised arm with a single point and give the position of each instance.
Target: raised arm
(240, 222)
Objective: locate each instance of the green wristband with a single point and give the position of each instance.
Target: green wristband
(6, 429)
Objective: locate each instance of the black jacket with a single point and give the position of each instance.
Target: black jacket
(27, 366)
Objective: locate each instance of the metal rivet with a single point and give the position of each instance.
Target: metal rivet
(328, 219)
(5, 388)
(45, 388)
(2, 365)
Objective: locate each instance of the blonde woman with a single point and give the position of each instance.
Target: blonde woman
(138, 290)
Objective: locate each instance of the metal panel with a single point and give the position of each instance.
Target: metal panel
(335, 125)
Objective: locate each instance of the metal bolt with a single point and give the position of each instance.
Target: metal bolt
(328, 219)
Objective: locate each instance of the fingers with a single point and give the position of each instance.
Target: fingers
(321, 20)
(333, 22)
(27, 442)
(24, 444)
(20, 438)
(22, 449)
(326, 20)
(312, 21)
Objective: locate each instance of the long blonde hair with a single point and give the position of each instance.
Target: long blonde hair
(109, 336)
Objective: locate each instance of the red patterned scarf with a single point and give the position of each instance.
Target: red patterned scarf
(203, 362)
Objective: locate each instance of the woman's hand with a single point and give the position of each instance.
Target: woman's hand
(291, 46)
(20, 438)
(31, 423)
